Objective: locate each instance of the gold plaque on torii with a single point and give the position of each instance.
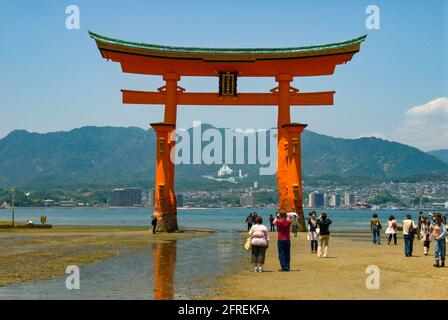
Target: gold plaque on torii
(228, 84)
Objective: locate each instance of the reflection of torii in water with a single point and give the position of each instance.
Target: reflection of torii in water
(228, 64)
(164, 262)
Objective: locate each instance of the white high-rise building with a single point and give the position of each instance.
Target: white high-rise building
(335, 200)
(349, 199)
(247, 200)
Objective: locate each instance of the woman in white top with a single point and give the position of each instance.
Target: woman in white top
(259, 235)
(391, 230)
(425, 234)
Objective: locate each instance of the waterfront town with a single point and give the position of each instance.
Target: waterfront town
(429, 195)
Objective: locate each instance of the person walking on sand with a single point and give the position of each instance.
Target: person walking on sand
(312, 231)
(375, 227)
(154, 223)
(295, 225)
(284, 241)
(425, 235)
(420, 220)
(439, 234)
(409, 229)
(249, 221)
(324, 235)
(391, 230)
(259, 235)
(271, 222)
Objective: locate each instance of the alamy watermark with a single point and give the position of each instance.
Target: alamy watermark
(73, 20)
(373, 279)
(73, 280)
(226, 146)
(373, 19)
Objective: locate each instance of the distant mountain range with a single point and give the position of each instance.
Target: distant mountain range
(441, 154)
(113, 157)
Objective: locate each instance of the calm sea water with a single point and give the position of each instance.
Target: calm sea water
(184, 268)
(218, 219)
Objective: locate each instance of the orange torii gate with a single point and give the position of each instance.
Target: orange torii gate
(228, 64)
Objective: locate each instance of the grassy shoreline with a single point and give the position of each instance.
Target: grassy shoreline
(40, 254)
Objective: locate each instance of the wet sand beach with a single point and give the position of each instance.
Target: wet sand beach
(37, 254)
(340, 276)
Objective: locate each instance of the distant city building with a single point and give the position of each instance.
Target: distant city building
(335, 200)
(49, 202)
(326, 200)
(126, 197)
(150, 198)
(180, 199)
(255, 184)
(67, 203)
(225, 170)
(247, 200)
(349, 199)
(316, 200)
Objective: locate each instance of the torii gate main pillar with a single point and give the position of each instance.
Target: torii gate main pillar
(295, 196)
(283, 118)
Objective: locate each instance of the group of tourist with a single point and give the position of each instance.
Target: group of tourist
(428, 229)
(318, 235)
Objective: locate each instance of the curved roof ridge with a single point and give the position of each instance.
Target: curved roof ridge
(182, 49)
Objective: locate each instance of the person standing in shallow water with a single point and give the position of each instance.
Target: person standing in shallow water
(249, 221)
(154, 223)
(391, 230)
(312, 231)
(271, 222)
(284, 241)
(375, 227)
(439, 241)
(324, 235)
(259, 235)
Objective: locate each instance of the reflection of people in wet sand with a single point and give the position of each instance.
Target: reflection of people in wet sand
(164, 260)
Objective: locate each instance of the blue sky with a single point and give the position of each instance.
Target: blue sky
(54, 78)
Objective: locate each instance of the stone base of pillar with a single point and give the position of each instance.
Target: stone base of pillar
(166, 222)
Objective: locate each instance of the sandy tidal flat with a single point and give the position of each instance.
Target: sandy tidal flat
(340, 276)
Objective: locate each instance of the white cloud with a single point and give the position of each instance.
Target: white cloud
(437, 106)
(425, 126)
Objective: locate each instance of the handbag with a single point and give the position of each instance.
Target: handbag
(308, 236)
(248, 244)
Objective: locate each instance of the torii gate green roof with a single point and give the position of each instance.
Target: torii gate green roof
(100, 39)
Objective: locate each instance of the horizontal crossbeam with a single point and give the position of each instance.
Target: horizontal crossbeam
(243, 99)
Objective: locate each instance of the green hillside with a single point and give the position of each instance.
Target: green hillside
(110, 157)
